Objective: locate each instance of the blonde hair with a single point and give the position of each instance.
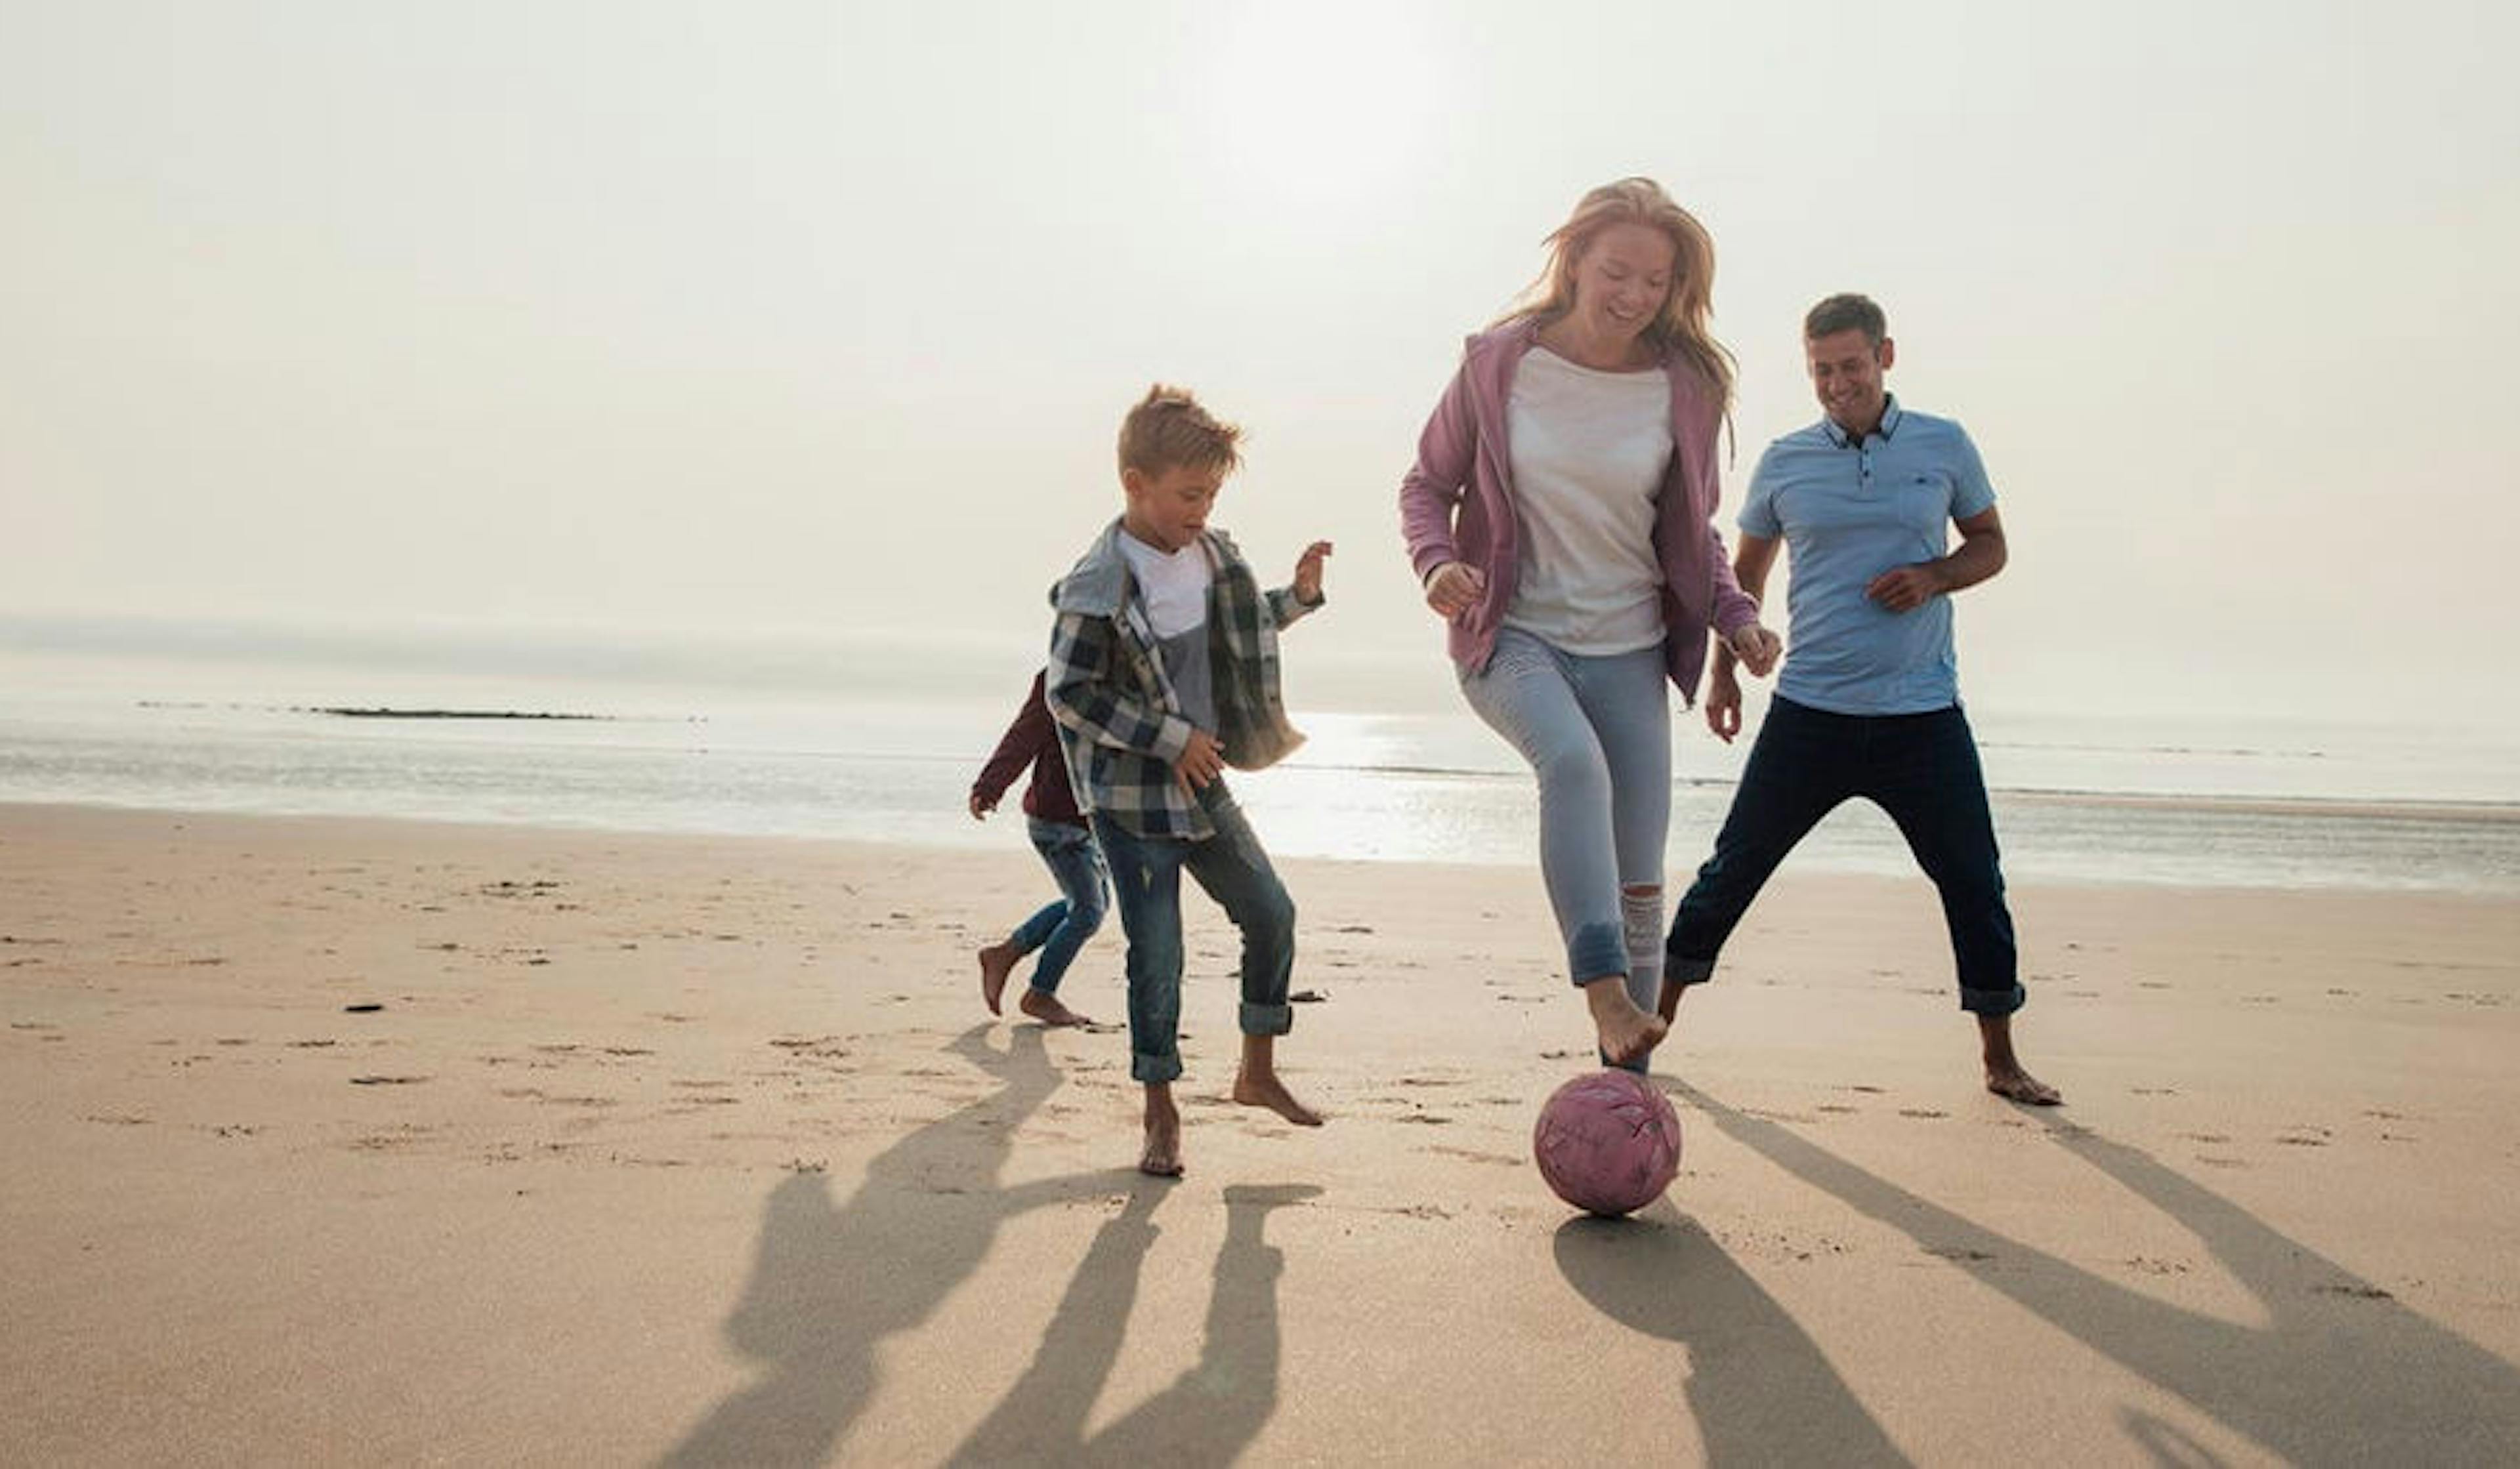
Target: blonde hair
(1169, 427)
(1681, 325)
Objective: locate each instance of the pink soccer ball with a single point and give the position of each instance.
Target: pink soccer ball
(1608, 1144)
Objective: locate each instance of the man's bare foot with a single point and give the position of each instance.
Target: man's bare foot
(1162, 1157)
(2003, 1074)
(1627, 1033)
(2016, 1084)
(997, 961)
(1264, 1090)
(1048, 1009)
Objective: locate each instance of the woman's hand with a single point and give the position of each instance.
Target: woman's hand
(1455, 588)
(1758, 649)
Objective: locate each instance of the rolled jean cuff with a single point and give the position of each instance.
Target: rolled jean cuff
(1152, 1069)
(1266, 1019)
(1685, 971)
(1993, 1002)
(1597, 951)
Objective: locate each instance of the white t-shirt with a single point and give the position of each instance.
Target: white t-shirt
(1174, 585)
(1588, 450)
(1174, 588)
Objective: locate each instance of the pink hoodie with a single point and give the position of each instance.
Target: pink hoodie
(1457, 505)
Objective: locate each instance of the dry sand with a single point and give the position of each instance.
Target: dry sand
(664, 1150)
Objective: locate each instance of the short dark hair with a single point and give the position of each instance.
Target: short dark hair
(1847, 311)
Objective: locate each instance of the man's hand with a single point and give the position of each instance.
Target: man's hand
(981, 806)
(1308, 572)
(1758, 648)
(1201, 760)
(1905, 588)
(1456, 588)
(1723, 704)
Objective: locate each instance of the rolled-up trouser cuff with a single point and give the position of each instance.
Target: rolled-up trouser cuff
(1685, 971)
(1147, 1068)
(1597, 951)
(1993, 1002)
(1266, 1019)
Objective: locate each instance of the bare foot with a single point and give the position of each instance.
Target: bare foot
(1047, 1009)
(997, 961)
(1627, 1033)
(1667, 1000)
(1264, 1090)
(1162, 1155)
(2003, 1074)
(2016, 1084)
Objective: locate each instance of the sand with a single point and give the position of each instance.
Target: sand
(684, 1150)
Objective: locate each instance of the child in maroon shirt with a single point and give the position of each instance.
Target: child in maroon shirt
(1066, 845)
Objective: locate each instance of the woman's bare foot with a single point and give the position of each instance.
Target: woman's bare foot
(1627, 1033)
(997, 961)
(1264, 1090)
(2016, 1084)
(1048, 1009)
(1162, 1157)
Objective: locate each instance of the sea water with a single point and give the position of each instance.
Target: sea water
(869, 743)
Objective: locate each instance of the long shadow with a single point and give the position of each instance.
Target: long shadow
(1758, 1387)
(2338, 1374)
(829, 1284)
(1208, 1415)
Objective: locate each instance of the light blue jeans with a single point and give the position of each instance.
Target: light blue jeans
(1062, 927)
(1596, 731)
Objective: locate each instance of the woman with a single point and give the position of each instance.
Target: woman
(1560, 518)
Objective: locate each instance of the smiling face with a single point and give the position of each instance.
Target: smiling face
(1846, 370)
(1622, 280)
(1168, 509)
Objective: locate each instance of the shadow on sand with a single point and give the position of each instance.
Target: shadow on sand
(2338, 1373)
(831, 1283)
(1759, 1388)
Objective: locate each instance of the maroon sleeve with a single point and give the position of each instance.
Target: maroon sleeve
(1032, 728)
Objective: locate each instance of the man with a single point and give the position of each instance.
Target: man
(1869, 701)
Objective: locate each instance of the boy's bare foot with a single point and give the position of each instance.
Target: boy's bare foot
(997, 961)
(2016, 1084)
(1162, 1157)
(1627, 1033)
(1048, 1009)
(1667, 1002)
(1264, 1090)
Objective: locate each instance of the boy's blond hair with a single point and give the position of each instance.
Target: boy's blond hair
(1169, 428)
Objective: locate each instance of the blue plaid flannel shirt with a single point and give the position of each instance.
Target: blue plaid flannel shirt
(1120, 725)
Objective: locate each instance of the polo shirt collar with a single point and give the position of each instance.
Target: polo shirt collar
(1891, 414)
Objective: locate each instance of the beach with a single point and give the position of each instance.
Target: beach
(350, 1139)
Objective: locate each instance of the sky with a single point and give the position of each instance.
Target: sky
(816, 321)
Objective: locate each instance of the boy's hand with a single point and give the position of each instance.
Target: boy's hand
(1201, 760)
(1308, 572)
(981, 806)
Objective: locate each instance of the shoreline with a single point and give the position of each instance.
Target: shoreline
(984, 843)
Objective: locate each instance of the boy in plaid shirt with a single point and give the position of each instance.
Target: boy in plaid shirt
(1163, 670)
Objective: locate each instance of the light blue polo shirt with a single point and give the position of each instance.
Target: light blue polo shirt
(1847, 512)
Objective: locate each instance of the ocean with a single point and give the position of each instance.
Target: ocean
(867, 740)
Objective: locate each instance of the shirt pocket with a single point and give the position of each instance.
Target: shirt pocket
(1922, 504)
